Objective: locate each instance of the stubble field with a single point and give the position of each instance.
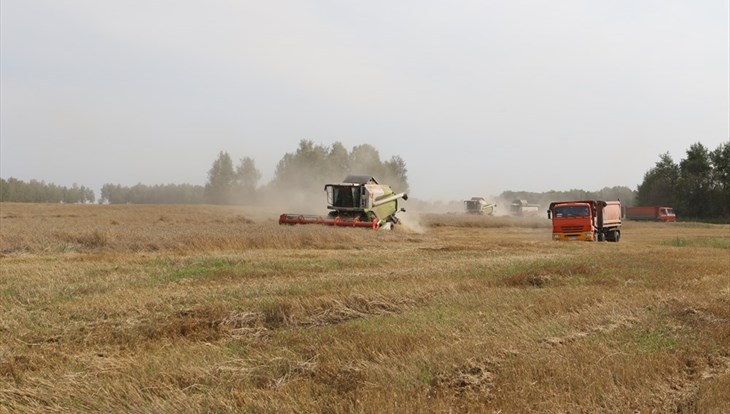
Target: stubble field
(220, 309)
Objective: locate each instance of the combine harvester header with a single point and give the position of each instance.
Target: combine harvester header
(359, 201)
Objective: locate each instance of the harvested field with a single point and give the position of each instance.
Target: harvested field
(220, 309)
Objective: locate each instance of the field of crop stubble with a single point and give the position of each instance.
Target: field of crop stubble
(202, 308)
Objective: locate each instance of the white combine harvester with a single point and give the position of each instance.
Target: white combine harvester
(523, 208)
(358, 201)
(480, 206)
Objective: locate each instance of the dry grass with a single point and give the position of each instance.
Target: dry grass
(468, 220)
(131, 229)
(200, 309)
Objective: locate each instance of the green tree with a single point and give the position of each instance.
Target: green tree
(156, 194)
(720, 159)
(221, 179)
(365, 160)
(247, 179)
(114, 194)
(247, 174)
(694, 186)
(304, 170)
(396, 174)
(35, 191)
(338, 160)
(89, 195)
(625, 194)
(303, 173)
(659, 184)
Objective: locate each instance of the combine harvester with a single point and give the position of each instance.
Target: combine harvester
(359, 201)
(480, 206)
(522, 208)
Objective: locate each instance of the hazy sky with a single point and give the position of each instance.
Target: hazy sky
(477, 97)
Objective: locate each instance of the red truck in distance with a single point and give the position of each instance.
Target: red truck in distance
(665, 214)
(589, 220)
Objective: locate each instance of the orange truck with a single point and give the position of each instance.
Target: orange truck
(590, 220)
(665, 214)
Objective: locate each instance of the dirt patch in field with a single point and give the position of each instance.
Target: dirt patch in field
(202, 323)
(528, 280)
(693, 314)
(14, 366)
(543, 274)
(691, 391)
(475, 378)
(279, 371)
(344, 379)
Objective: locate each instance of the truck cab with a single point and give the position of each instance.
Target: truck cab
(666, 214)
(586, 220)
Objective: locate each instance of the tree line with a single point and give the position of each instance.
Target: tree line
(152, 194)
(36, 191)
(625, 194)
(301, 173)
(698, 187)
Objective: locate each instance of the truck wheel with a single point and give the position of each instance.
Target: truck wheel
(612, 236)
(601, 237)
(616, 236)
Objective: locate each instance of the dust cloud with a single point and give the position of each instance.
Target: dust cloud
(411, 222)
(309, 198)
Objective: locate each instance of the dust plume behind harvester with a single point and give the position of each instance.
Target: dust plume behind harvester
(358, 201)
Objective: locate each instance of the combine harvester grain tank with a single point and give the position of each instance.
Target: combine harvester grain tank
(358, 201)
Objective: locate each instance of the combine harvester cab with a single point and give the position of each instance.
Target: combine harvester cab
(589, 220)
(359, 201)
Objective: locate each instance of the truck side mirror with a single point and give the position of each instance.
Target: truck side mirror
(549, 214)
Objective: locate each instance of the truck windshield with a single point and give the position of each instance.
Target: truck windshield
(572, 211)
(343, 196)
